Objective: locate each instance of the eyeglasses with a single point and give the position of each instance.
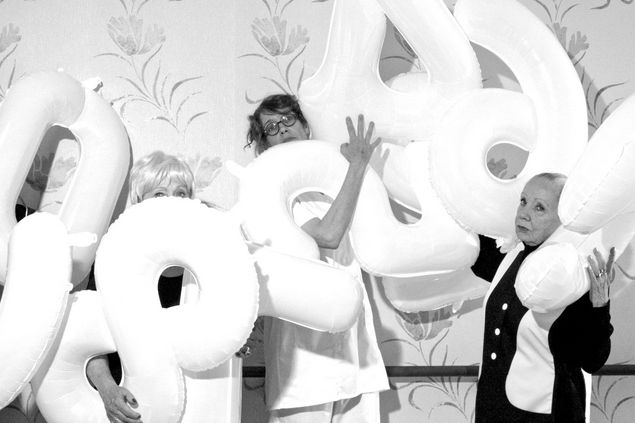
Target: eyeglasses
(272, 128)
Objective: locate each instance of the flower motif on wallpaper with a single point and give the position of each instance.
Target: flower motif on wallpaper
(9, 39)
(205, 170)
(557, 11)
(147, 82)
(577, 43)
(48, 174)
(271, 34)
(429, 329)
(127, 33)
(280, 48)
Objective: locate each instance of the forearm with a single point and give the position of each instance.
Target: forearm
(329, 231)
(599, 339)
(99, 374)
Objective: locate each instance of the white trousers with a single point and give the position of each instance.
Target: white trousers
(360, 409)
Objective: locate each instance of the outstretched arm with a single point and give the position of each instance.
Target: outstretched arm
(117, 399)
(329, 231)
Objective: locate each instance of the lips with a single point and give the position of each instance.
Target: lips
(520, 228)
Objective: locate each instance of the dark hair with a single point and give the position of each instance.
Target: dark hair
(277, 103)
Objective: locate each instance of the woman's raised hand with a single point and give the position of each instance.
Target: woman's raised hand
(601, 274)
(359, 148)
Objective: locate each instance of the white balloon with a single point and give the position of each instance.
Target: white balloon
(551, 278)
(33, 104)
(34, 299)
(602, 184)
(552, 125)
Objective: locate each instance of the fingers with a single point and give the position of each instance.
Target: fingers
(376, 143)
(350, 127)
(592, 265)
(599, 258)
(130, 399)
(592, 278)
(610, 261)
(369, 133)
(359, 134)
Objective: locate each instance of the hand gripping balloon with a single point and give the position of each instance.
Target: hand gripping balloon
(35, 103)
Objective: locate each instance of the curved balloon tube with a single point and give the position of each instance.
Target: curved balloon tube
(602, 184)
(476, 123)
(556, 277)
(62, 391)
(432, 292)
(551, 278)
(306, 292)
(270, 184)
(39, 262)
(549, 81)
(33, 104)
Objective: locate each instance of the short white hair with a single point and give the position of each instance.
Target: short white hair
(151, 170)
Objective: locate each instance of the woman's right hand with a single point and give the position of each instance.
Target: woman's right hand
(118, 402)
(359, 149)
(601, 276)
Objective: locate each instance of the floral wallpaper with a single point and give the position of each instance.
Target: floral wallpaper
(184, 74)
(147, 82)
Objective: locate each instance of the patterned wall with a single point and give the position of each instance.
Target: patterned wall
(183, 75)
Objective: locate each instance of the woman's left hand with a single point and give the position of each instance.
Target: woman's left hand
(601, 275)
(359, 148)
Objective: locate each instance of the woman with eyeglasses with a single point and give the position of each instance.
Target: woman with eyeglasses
(314, 376)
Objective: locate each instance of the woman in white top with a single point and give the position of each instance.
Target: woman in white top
(314, 376)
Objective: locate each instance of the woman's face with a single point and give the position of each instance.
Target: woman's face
(537, 213)
(294, 132)
(168, 188)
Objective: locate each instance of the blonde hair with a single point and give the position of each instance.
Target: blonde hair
(151, 170)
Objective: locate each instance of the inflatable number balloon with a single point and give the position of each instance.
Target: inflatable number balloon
(34, 298)
(382, 245)
(198, 336)
(548, 118)
(348, 81)
(327, 299)
(602, 184)
(34, 104)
